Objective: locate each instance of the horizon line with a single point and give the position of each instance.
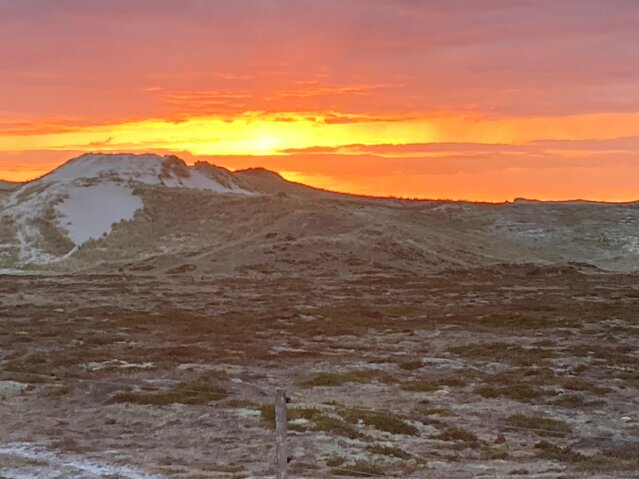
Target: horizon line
(338, 192)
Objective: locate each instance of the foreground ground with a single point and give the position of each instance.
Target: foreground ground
(507, 372)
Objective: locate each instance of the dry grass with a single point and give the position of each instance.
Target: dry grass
(623, 460)
(514, 322)
(569, 401)
(504, 352)
(339, 379)
(391, 451)
(540, 425)
(431, 385)
(458, 435)
(216, 334)
(553, 452)
(585, 385)
(360, 469)
(382, 421)
(517, 392)
(192, 393)
(320, 420)
(426, 409)
(410, 365)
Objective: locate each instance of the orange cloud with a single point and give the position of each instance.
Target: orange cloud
(465, 99)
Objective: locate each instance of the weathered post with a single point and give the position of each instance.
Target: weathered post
(280, 434)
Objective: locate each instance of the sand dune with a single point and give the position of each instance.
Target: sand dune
(170, 218)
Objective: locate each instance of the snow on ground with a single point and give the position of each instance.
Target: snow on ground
(145, 169)
(26, 212)
(90, 212)
(86, 196)
(41, 463)
(15, 272)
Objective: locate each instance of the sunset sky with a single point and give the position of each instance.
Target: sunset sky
(461, 99)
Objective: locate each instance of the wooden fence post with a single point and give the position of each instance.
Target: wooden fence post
(280, 434)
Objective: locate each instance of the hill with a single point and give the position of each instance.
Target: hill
(154, 214)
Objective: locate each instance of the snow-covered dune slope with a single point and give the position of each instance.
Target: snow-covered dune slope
(89, 212)
(154, 213)
(29, 461)
(85, 197)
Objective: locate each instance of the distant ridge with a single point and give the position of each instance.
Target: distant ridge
(86, 196)
(152, 214)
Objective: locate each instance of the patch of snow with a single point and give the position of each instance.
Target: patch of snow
(631, 244)
(55, 465)
(284, 349)
(118, 364)
(247, 413)
(15, 272)
(145, 169)
(299, 422)
(88, 195)
(140, 168)
(89, 212)
(26, 213)
(443, 363)
(11, 388)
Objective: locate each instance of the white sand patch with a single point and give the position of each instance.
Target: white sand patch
(145, 169)
(86, 196)
(117, 364)
(140, 168)
(11, 388)
(26, 211)
(55, 465)
(90, 212)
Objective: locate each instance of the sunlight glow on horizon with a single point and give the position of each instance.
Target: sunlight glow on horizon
(441, 102)
(272, 141)
(265, 135)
